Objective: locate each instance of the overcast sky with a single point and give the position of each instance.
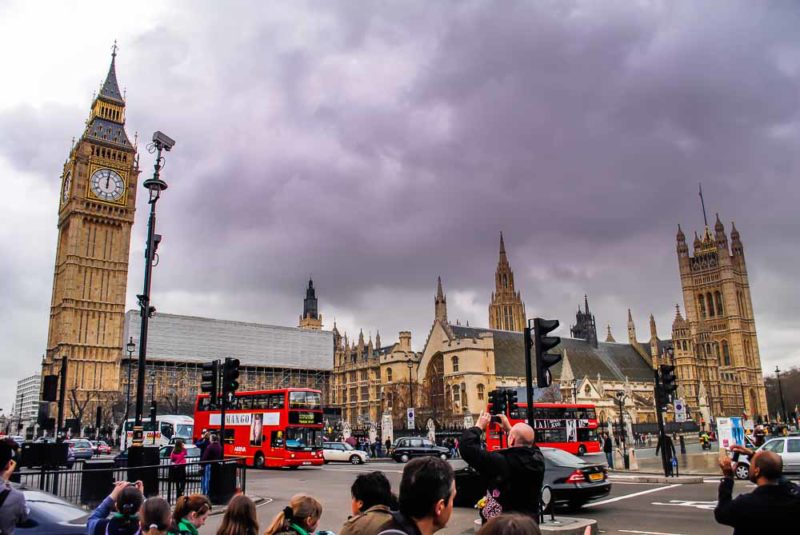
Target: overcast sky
(377, 145)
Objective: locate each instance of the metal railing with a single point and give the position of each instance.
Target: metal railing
(87, 483)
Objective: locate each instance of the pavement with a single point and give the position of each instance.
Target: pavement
(633, 507)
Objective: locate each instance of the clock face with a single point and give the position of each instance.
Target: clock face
(107, 185)
(67, 186)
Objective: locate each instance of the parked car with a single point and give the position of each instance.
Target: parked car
(82, 448)
(50, 515)
(787, 447)
(572, 481)
(407, 448)
(342, 452)
(99, 447)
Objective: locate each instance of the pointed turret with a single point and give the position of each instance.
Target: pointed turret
(106, 123)
(737, 249)
(377, 339)
(697, 242)
(609, 336)
(110, 88)
(440, 308)
(653, 333)
(506, 309)
(502, 247)
(682, 249)
(719, 235)
(311, 318)
(631, 329)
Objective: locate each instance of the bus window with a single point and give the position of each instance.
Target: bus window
(303, 437)
(551, 435)
(274, 401)
(277, 439)
(305, 400)
(585, 435)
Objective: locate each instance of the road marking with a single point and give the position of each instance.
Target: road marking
(265, 502)
(634, 495)
(646, 532)
(360, 470)
(709, 506)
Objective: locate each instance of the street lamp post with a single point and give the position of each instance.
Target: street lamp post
(780, 391)
(155, 186)
(410, 364)
(621, 396)
(130, 347)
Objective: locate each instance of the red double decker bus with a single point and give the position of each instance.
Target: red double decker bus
(268, 428)
(567, 426)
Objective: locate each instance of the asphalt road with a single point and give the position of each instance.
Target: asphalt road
(632, 508)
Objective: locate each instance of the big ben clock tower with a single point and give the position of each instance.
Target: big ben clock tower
(95, 214)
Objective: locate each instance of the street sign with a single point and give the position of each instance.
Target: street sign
(410, 417)
(680, 411)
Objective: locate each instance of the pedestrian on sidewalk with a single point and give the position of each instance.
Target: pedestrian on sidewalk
(177, 470)
(213, 453)
(771, 508)
(666, 443)
(608, 449)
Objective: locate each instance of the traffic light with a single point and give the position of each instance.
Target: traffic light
(668, 379)
(230, 376)
(210, 376)
(511, 403)
(497, 399)
(541, 345)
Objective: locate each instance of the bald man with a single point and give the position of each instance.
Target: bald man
(771, 508)
(514, 475)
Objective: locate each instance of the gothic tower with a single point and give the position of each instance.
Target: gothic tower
(506, 310)
(440, 303)
(95, 215)
(311, 318)
(585, 325)
(719, 312)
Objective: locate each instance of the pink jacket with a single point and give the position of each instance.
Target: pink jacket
(178, 458)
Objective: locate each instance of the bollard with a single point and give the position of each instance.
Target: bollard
(97, 482)
(634, 464)
(222, 485)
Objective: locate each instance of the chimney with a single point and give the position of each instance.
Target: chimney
(405, 340)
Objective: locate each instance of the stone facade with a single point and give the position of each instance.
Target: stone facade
(95, 214)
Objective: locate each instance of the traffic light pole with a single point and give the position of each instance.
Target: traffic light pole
(528, 375)
(662, 435)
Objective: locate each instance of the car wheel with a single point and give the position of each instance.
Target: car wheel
(443, 456)
(404, 458)
(355, 459)
(258, 460)
(581, 450)
(742, 471)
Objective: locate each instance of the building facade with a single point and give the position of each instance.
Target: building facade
(716, 345)
(26, 405)
(95, 214)
(506, 310)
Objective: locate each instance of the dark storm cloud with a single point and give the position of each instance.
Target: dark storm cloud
(377, 146)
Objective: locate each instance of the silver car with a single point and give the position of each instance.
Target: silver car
(787, 447)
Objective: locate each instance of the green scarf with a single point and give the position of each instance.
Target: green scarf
(298, 529)
(184, 526)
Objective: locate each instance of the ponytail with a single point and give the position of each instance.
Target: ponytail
(300, 509)
(155, 516)
(195, 503)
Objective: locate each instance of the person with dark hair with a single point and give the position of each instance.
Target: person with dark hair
(213, 452)
(769, 509)
(126, 499)
(177, 470)
(608, 449)
(190, 514)
(155, 517)
(240, 517)
(13, 508)
(514, 474)
(371, 502)
(510, 524)
(427, 492)
(300, 517)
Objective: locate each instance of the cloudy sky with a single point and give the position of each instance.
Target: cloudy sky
(376, 145)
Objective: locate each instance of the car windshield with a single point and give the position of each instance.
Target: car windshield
(561, 457)
(347, 446)
(184, 430)
(303, 438)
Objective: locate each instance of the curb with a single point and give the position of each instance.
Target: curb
(220, 509)
(655, 478)
(562, 525)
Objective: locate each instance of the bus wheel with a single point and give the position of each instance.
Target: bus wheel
(581, 450)
(258, 460)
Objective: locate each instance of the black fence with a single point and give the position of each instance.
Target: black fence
(87, 483)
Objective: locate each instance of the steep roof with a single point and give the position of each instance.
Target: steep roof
(192, 339)
(612, 361)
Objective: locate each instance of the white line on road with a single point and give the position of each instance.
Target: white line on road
(646, 532)
(360, 470)
(635, 494)
(265, 502)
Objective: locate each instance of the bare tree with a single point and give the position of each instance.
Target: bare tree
(551, 394)
(77, 407)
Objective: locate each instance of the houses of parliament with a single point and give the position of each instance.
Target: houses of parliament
(713, 339)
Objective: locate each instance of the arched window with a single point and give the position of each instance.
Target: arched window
(481, 389)
(710, 303)
(388, 375)
(718, 299)
(726, 355)
(701, 300)
(587, 391)
(455, 364)
(456, 394)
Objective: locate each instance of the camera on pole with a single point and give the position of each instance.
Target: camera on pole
(541, 345)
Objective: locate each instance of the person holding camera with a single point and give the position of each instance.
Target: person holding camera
(13, 508)
(514, 474)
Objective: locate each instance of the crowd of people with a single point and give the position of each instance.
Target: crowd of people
(423, 504)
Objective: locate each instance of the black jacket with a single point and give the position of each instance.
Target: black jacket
(608, 446)
(768, 509)
(517, 473)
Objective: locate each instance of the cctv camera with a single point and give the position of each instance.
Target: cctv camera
(163, 140)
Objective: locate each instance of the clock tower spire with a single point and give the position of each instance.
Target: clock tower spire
(95, 215)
